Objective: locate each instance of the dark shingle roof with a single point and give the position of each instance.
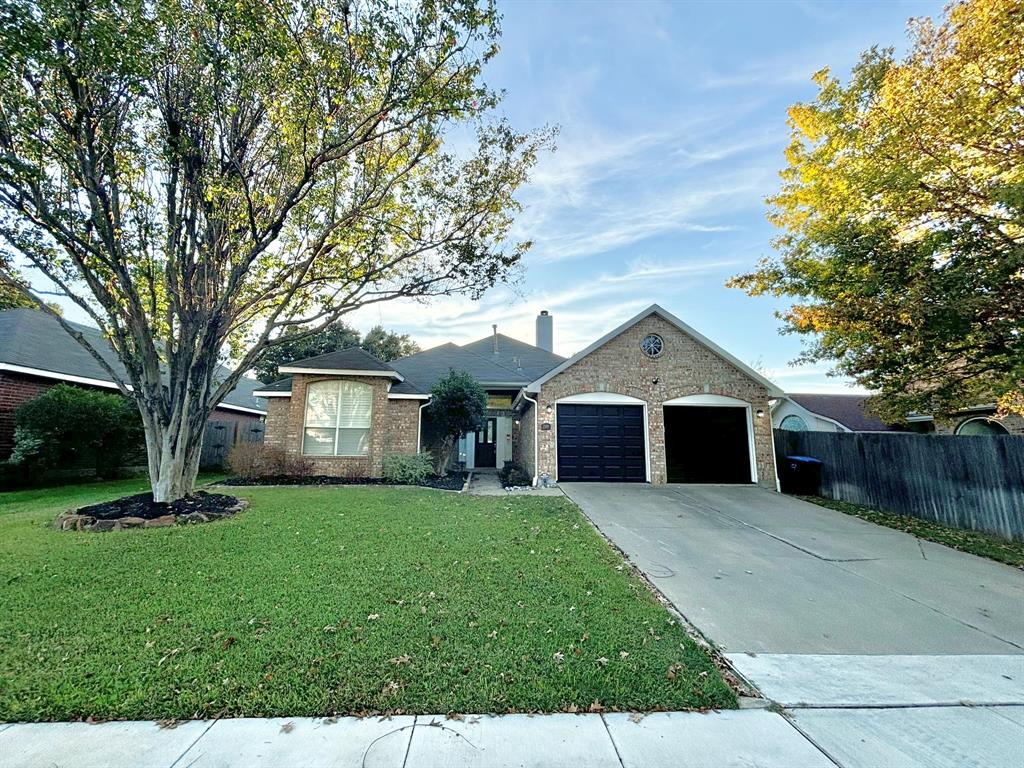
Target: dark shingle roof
(350, 359)
(532, 362)
(33, 339)
(283, 385)
(515, 365)
(848, 410)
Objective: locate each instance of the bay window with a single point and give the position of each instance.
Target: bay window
(337, 419)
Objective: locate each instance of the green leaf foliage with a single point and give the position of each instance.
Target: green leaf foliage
(902, 210)
(457, 405)
(70, 427)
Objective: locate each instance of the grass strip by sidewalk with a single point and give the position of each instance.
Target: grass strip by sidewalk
(336, 600)
(974, 542)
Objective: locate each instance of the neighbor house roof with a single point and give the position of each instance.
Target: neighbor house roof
(849, 410)
(654, 309)
(513, 366)
(33, 343)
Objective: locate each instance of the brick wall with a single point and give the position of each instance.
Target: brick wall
(401, 425)
(522, 440)
(393, 427)
(14, 391)
(686, 367)
(1013, 423)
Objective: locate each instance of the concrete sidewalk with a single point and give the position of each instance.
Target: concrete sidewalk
(747, 738)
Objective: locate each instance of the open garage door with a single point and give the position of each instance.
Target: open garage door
(707, 444)
(601, 443)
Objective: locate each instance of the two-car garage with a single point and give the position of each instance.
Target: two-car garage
(707, 439)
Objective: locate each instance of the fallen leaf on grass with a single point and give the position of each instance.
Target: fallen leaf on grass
(559, 657)
(400, 660)
(674, 670)
(596, 706)
(602, 661)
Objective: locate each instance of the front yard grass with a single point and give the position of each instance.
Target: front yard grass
(321, 601)
(975, 542)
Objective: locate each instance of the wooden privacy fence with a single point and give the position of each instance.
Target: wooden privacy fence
(974, 482)
(220, 436)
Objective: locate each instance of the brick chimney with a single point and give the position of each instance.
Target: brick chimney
(546, 331)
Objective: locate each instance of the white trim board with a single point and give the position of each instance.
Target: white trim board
(339, 372)
(654, 309)
(44, 374)
(601, 398)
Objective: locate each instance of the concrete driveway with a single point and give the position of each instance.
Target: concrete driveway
(847, 624)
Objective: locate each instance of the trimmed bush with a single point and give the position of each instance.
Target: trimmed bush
(513, 474)
(407, 468)
(253, 460)
(69, 427)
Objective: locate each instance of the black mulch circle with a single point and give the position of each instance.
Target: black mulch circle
(452, 482)
(143, 506)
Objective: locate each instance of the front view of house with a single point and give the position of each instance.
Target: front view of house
(651, 401)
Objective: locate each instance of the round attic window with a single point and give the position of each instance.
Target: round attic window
(652, 345)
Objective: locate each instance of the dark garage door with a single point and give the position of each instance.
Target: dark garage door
(601, 443)
(706, 444)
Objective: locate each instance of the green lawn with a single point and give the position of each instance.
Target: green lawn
(975, 542)
(322, 601)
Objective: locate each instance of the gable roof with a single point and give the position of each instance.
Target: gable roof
(654, 309)
(348, 359)
(34, 343)
(848, 410)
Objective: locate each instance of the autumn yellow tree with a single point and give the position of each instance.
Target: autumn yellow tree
(902, 210)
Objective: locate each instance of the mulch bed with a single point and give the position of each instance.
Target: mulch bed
(452, 482)
(140, 511)
(142, 505)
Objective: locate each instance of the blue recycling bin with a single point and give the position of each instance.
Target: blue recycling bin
(801, 475)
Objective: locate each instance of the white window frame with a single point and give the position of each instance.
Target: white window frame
(337, 429)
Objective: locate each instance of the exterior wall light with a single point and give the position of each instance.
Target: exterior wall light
(760, 413)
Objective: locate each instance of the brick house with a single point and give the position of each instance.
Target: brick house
(36, 353)
(651, 401)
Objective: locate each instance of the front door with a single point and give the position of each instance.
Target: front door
(486, 440)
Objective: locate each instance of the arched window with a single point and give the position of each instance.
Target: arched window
(981, 426)
(794, 424)
(337, 418)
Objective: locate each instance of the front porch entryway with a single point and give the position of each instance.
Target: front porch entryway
(490, 446)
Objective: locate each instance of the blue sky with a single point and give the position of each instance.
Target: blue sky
(672, 129)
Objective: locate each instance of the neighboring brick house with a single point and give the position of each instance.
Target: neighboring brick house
(37, 353)
(652, 401)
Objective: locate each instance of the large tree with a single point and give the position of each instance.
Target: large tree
(387, 345)
(903, 216)
(200, 177)
(382, 344)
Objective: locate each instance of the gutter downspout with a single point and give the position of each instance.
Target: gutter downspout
(536, 445)
(419, 425)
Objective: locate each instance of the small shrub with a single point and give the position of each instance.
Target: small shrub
(406, 468)
(252, 460)
(69, 426)
(513, 474)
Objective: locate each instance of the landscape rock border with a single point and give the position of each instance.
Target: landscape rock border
(73, 521)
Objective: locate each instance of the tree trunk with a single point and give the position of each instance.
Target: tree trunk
(443, 454)
(173, 456)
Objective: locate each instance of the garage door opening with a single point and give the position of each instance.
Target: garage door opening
(601, 443)
(707, 444)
